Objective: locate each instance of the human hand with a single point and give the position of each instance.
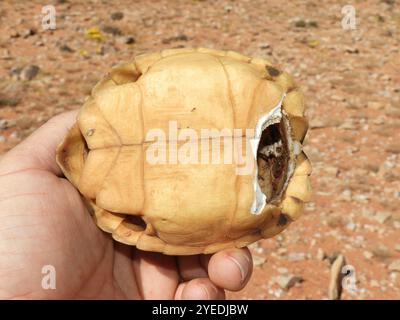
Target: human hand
(43, 221)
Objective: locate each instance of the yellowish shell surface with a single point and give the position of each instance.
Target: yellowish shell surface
(177, 208)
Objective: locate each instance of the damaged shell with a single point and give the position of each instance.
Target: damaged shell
(197, 206)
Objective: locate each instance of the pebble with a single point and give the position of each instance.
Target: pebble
(321, 255)
(351, 226)
(382, 217)
(296, 256)
(264, 46)
(3, 124)
(300, 23)
(14, 135)
(259, 261)
(335, 283)
(28, 33)
(181, 37)
(346, 195)
(375, 105)
(29, 72)
(2, 138)
(368, 255)
(129, 40)
(7, 123)
(65, 48)
(281, 251)
(115, 31)
(394, 266)
(352, 50)
(287, 281)
(283, 270)
(374, 283)
(117, 15)
(397, 247)
(381, 251)
(228, 8)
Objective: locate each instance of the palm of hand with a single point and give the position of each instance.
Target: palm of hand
(44, 222)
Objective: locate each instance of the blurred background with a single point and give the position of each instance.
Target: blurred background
(345, 60)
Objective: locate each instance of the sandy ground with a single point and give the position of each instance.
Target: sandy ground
(351, 79)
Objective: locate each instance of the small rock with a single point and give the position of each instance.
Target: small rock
(335, 283)
(381, 252)
(24, 122)
(130, 40)
(348, 124)
(259, 261)
(2, 138)
(264, 46)
(15, 72)
(14, 135)
(352, 50)
(115, 31)
(281, 251)
(313, 43)
(374, 283)
(351, 226)
(14, 34)
(65, 48)
(321, 255)
(288, 281)
(282, 270)
(28, 33)
(117, 15)
(296, 256)
(393, 148)
(346, 195)
(29, 72)
(5, 54)
(394, 266)
(11, 93)
(300, 23)
(3, 124)
(375, 105)
(331, 170)
(181, 37)
(368, 255)
(312, 23)
(397, 247)
(382, 217)
(228, 8)
(7, 123)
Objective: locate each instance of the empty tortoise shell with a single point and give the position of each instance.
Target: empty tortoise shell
(140, 156)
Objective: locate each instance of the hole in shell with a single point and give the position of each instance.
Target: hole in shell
(137, 221)
(273, 160)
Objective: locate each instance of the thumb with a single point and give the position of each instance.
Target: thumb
(38, 150)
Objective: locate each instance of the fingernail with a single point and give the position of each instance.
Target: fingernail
(242, 262)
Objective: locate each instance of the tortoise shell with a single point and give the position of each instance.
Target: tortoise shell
(138, 155)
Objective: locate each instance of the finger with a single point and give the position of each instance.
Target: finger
(38, 150)
(231, 269)
(199, 289)
(156, 274)
(190, 267)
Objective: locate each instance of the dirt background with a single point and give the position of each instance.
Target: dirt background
(351, 79)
